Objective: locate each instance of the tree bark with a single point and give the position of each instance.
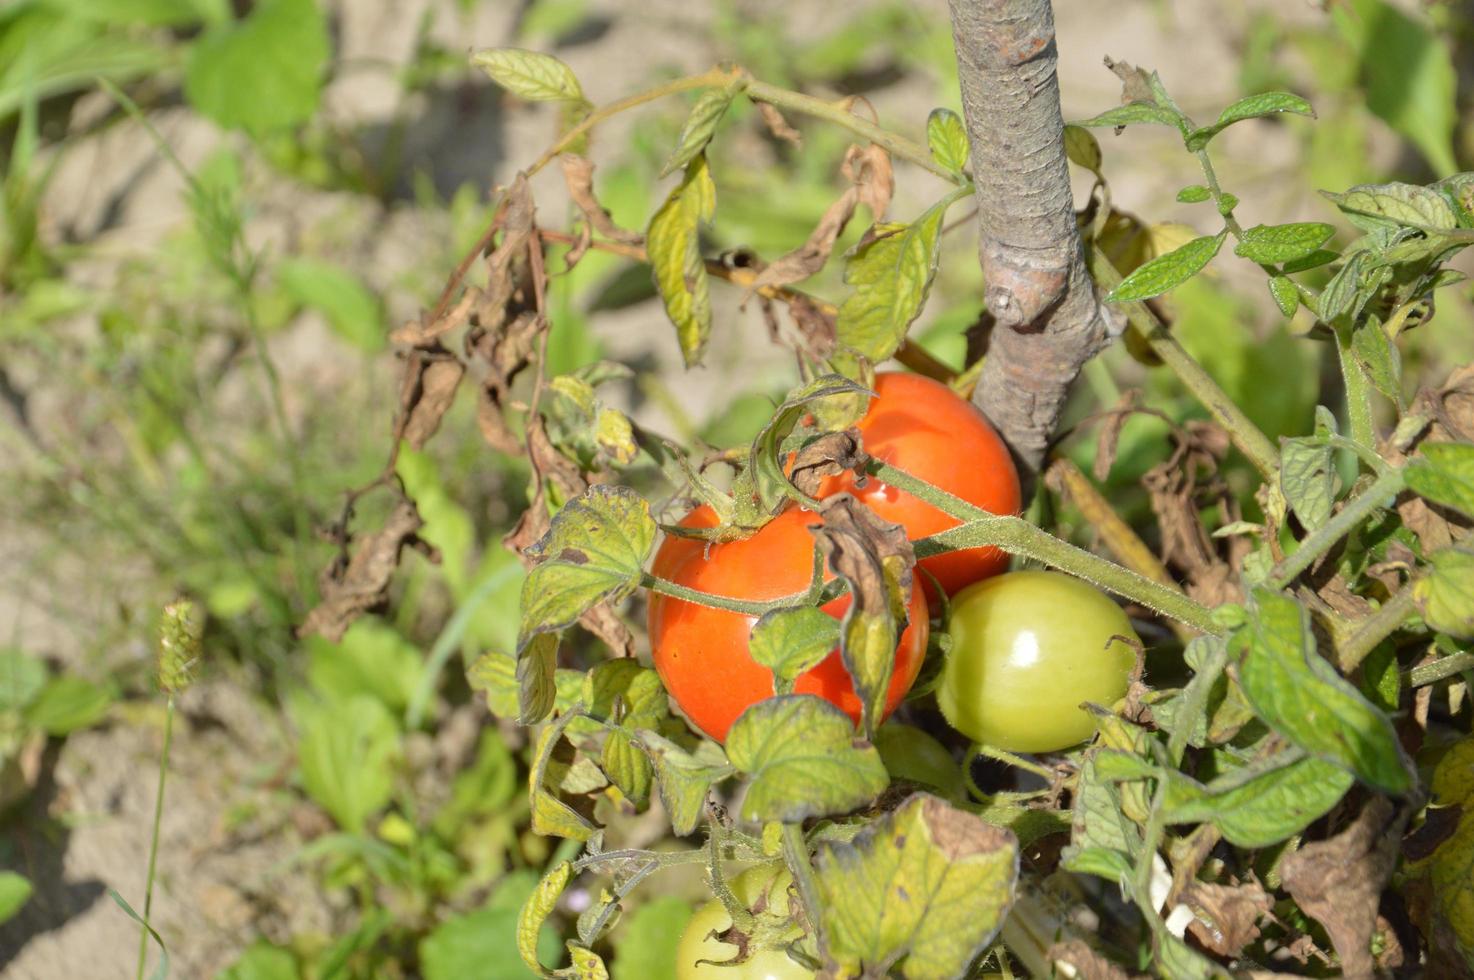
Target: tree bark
(1048, 320)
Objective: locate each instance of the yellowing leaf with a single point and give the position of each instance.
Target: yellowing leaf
(535, 912)
(673, 244)
(804, 760)
(1453, 778)
(531, 75)
(684, 777)
(925, 889)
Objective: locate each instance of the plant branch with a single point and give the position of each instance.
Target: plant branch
(839, 114)
(796, 855)
(1254, 444)
(1036, 286)
(1346, 520)
(1439, 669)
(1376, 628)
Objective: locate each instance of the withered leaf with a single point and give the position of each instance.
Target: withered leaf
(1136, 83)
(828, 455)
(876, 559)
(1109, 435)
(422, 331)
(777, 125)
(871, 183)
(1087, 963)
(351, 588)
(1226, 917)
(1339, 881)
(429, 389)
(578, 174)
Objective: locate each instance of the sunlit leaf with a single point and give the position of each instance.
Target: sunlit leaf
(1304, 698)
(530, 75)
(924, 889)
(1274, 244)
(803, 759)
(1168, 271)
(699, 127)
(1445, 596)
(1249, 107)
(790, 641)
(673, 244)
(1377, 206)
(1133, 113)
(1308, 479)
(1444, 474)
(684, 778)
(1259, 807)
(535, 911)
(947, 139)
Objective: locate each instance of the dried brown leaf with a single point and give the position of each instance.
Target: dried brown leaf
(1109, 435)
(828, 455)
(1087, 963)
(1180, 488)
(423, 332)
(430, 389)
(352, 587)
(1135, 82)
(816, 327)
(1226, 917)
(866, 550)
(578, 174)
(869, 170)
(1339, 881)
(777, 125)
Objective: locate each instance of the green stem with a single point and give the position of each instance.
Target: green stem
(1008, 759)
(1211, 176)
(744, 606)
(1439, 669)
(796, 854)
(838, 113)
(153, 848)
(1018, 537)
(1376, 628)
(707, 79)
(1358, 390)
(1323, 538)
(1254, 444)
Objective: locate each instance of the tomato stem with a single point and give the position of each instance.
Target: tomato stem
(1376, 628)
(1018, 537)
(796, 854)
(1322, 539)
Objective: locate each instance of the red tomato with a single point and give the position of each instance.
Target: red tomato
(701, 652)
(920, 426)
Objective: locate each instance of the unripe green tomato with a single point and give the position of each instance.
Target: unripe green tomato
(911, 754)
(771, 881)
(1027, 649)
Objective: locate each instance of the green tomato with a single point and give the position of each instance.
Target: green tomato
(913, 755)
(768, 883)
(1027, 649)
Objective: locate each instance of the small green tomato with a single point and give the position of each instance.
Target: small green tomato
(769, 883)
(1027, 649)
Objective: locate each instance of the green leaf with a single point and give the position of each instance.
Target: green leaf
(1308, 479)
(1273, 244)
(68, 704)
(15, 891)
(699, 127)
(947, 138)
(673, 244)
(1342, 292)
(1444, 474)
(535, 911)
(263, 73)
(1133, 113)
(555, 765)
(892, 270)
(530, 75)
(1286, 296)
(161, 969)
(1408, 76)
(790, 641)
(346, 755)
(1301, 696)
(536, 676)
(1261, 806)
(1445, 596)
(624, 692)
(263, 960)
(1379, 359)
(1082, 148)
(1226, 203)
(373, 658)
(1374, 207)
(1194, 194)
(594, 551)
(684, 778)
(913, 755)
(474, 945)
(925, 888)
(804, 760)
(352, 311)
(1250, 107)
(22, 677)
(1168, 271)
(1097, 820)
(646, 949)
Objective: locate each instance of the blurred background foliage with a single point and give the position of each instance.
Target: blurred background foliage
(213, 213)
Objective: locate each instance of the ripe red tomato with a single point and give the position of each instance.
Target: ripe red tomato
(701, 652)
(920, 426)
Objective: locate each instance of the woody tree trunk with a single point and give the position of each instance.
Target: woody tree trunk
(1048, 322)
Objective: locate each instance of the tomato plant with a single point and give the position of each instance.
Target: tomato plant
(702, 653)
(1027, 649)
(922, 427)
(700, 954)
